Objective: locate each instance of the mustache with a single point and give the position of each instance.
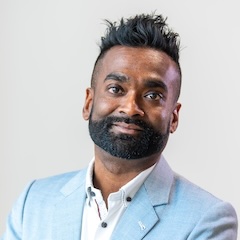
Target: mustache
(113, 119)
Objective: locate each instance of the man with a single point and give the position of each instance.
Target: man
(128, 192)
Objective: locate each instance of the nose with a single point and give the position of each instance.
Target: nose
(131, 106)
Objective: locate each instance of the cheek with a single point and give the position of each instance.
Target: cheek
(160, 120)
(102, 107)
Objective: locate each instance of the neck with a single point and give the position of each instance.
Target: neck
(111, 173)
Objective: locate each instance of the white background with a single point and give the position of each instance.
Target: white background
(47, 51)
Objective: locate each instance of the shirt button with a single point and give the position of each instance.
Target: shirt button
(128, 199)
(104, 224)
(92, 194)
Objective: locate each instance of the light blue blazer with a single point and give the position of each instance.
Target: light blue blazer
(166, 207)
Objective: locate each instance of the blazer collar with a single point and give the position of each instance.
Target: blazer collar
(78, 181)
(158, 184)
(162, 176)
(67, 217)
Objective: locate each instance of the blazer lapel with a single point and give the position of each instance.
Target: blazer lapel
(147, 205)
(137, 220)
(67, 219)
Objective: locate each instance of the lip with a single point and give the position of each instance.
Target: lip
(127, 128)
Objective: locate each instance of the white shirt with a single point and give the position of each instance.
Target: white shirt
(98, 221)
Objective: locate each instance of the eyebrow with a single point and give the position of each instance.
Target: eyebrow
(116, 76)
(156, 84)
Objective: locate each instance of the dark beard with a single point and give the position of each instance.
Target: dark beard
(144, 144)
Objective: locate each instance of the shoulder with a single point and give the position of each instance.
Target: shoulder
(194, 194)
(55, 183)
(210, 216)
(44, 193)
(196, 199)
(171, 188)
(49, 189)
(178, 190)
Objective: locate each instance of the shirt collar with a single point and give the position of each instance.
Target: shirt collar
(89, 182)
(129, 189)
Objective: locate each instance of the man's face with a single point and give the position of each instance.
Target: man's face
(131, 108)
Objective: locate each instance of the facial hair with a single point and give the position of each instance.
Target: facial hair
(146, 143)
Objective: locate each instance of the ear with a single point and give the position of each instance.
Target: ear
(88, 103)
(175, 118)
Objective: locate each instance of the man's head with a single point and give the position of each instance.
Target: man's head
(132, 103)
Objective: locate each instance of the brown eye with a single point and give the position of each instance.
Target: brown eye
(154, 96)
(115, 90)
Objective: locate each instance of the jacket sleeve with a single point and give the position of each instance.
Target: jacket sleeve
(15, 219)
(218, 223)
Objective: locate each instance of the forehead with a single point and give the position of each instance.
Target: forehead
(138, 63)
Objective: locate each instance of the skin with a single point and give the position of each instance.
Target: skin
(132, 82)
